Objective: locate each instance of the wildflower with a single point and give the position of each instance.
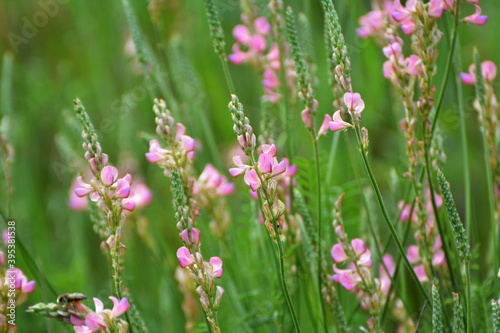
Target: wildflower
(354, 103)
(185, 257)
(477, 18)
(337, 124)
(103, 318)
(75, 202)
(216, 263)
(211, 180)
(488, 70)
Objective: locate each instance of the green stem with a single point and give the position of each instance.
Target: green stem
(227, 74)
(318, 207)
(468, 296)
(386, 215)
(434, 206)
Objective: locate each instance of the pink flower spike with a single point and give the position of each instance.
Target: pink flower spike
(109, 174)
(252, 180)
(216, 263)
(195, 236)
(122, 189)
(82, 188)
(185, 257)
(338, 124)
(477, 18)
(338, 253)
(241, 33)
(326, 125)
(354, 102)
(261, 26)
(119, 308)
(258, 43)
(488, 70)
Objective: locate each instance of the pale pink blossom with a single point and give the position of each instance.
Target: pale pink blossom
(20, 280)
(156, 153)
(252, 180)
(75, 202)
(325, 125)
(337, 124)
(370, 23)
(212, 180)
(195, 236)
(185, 257)
(488, 70)
(216, 263)
(96, 321)
(241, 167)
(262, 26)
(142, 195)
(354, 102)
(242, 34)
(477, 18)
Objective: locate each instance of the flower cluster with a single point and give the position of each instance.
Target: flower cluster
(83, 319)
(252, 47)
(14, 287)
(176, 163)
(428, 250)
(357, 277)
(355, 105)
(210, 190)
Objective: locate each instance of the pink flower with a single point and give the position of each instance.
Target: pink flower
(211, 179)
(20, 281)
(242, 34)
(413, 254)
(185, 257)
(306, 117)
(337, 124)
(354, 102)
(270, 80)
(370, 23)
(348, 278)
(119, 308)
(477, 18)
(393, 51)
(252, 180)
(257, 44)
(413, 65)
(488, 70)
(195, 237)
(75, 202)
(268, 163)
(325, 125)
(385, 279)
(83, 188)
(96, 321)
(238, 57)
(421, 275)
(241, 167)
(156, 153)
(142, 194)
(338, 253)
(216, 263)
(109, 175)
(261, 26)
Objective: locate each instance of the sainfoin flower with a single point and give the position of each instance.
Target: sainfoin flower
(107, 184)
(103, 318)
(212, 181)
(267, 167)
(185, 257)
(488, 70)
(477, 18)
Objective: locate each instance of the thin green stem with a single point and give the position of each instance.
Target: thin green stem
(468, 296)
(227, 74)
(491, 198)
(386, 215)
(318, 212)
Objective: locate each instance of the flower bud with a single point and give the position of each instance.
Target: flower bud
(218, 296)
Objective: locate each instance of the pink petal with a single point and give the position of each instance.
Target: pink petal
(195, 236)
(122, 189)
(338, 253)
(99, 307)
(119, 308)
(258, 43)
(326, 124)
(252, 180)
(185, 257)
(279, 169)
(261, 26)
(217, 266)
(128, 204)
(489, 70)
(241, 33)
(28, 287)
(109, 174)
(477, 18)
(413, 254)
(94, 321)
(358, 246)
(265, 163)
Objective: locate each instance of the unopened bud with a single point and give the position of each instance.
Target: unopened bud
(218, 296)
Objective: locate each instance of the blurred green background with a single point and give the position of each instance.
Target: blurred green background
(80, 51)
